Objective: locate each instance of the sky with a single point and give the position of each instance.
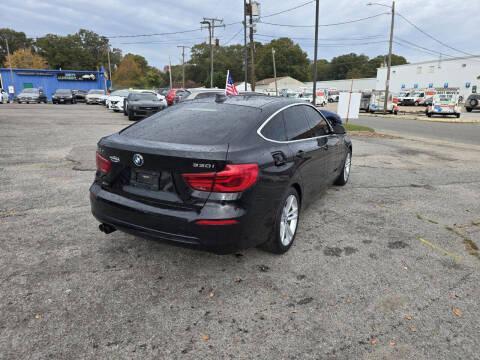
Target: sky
(453, 22)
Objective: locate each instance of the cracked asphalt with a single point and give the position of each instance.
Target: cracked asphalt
(384, 268)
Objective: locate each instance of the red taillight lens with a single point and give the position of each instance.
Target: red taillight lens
(234, 178)
(103, 165)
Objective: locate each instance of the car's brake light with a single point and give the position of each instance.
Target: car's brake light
(103, 165)
(234, 178)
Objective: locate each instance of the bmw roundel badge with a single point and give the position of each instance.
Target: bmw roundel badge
(138, 159)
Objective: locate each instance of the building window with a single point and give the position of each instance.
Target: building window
(431, 69)
(464, 65)
(419, 70)
(394, 71)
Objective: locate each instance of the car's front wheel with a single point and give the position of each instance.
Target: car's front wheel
(345, 174)
(286, 224)
(131, 116)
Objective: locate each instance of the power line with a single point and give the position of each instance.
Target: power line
(434, 38)
(287, 10)
(233, 37)
(332, 24)
(409, 44)
(325, 39)
(154, 34)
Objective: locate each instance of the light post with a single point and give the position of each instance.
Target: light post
(275, 72)
(389, 62)
(317, 7)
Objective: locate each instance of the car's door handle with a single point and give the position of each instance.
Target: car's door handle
(322, 145)
(300, 154)
(279, 158)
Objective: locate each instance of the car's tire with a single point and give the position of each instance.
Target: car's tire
(416, 103)
(395, 112)
(131, 117)
(473, 103)
(285, 230)
(429, 114)
(457, 115)
(345, 173)
(468, 109)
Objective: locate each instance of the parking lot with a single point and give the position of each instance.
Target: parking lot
(387, 267)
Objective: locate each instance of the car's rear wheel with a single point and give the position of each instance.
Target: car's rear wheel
(345, 174)
(286, 224)
(469, 109)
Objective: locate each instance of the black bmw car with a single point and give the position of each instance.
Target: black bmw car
(138, 105)
(222, 175)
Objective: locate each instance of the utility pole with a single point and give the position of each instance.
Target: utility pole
(10, 66)
(275, 72)
(389, 63)
(183, 63)
(210, 22)
(170, 71)
(252, 48)
(245, 50)
(317, 10)
(109, 68)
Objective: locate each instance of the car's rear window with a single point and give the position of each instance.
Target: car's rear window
(197, 124)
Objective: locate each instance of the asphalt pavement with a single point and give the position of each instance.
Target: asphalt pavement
(460, 133)
(387, 267)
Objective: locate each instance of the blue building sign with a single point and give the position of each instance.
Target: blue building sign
(51, 80)
(445, 85)
(403, 86)
(415, 86)
(430, 85)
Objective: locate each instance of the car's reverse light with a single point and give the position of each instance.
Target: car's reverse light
(217, 222)
(103, 165)
(234, 178)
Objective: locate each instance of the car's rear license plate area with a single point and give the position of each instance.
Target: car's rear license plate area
(145, 179)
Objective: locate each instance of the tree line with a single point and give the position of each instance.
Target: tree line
(86, 50)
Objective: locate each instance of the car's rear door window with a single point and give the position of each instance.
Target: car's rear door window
(275, 128)
(316, 121)
(296, 124)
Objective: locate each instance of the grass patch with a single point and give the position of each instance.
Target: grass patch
(355, 127)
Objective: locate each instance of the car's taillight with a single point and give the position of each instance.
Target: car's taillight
(103, 165)
(234, 178)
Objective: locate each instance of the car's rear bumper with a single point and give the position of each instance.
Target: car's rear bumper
(174, 224)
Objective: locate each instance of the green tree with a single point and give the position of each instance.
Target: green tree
(84, 50)
(370, 69)
(347, 65)
(290, 60)
(16, 40)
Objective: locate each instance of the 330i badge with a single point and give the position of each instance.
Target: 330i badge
(222, 175)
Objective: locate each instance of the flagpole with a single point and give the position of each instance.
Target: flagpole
(226, 81)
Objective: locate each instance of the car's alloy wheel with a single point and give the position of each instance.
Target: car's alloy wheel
(289, 220)
(345, 173)
(286, 223)
(347, 166)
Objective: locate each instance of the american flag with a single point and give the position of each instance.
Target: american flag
(230, 88)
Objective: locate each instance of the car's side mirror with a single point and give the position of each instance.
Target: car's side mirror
(338, 129)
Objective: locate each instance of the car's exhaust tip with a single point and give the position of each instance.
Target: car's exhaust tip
(106, 228)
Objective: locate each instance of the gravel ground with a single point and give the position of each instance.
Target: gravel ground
(384, 268)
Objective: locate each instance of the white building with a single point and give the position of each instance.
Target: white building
(345, 85)
(462, 73)
(283, 82)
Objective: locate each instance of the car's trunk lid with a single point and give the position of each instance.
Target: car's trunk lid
(151, 171)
